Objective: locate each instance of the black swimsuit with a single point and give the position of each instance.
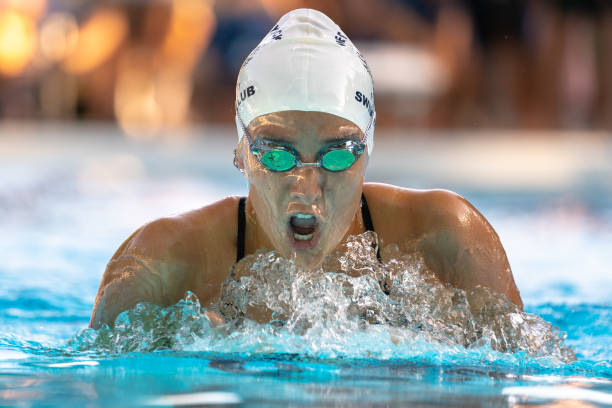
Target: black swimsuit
(365, 214)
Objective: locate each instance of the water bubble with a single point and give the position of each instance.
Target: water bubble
(353, 291)
(353, 306)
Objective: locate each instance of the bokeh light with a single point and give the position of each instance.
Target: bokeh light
(99, 38)
(136, 106)
(191, 26)
(437, 65)
(59, 36)
(154, 85)
(17, 41)
(34, 9)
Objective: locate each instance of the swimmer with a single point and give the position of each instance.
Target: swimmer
(305, 116)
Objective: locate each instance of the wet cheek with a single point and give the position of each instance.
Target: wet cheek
(272, 194)
(340, 193)
(343, 185)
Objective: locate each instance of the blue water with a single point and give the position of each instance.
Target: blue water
(66, 204)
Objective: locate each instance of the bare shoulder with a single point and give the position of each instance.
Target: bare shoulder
(457, 241)
(186, 248)
(179, 235)
(417, 212)
(394, 196)
(166, 257)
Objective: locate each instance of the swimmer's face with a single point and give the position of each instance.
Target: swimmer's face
(305, 212)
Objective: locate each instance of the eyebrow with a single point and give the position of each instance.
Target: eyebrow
(273, 132)
(348, 133)
(269, 129)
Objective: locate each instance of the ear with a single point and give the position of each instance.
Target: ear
(240, 157)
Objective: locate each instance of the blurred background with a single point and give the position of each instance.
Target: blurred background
(153, 65)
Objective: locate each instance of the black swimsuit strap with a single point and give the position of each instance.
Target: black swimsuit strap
(367, 221)
(240, 239)
(365, 214)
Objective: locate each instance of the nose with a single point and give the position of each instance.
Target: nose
(307, 184)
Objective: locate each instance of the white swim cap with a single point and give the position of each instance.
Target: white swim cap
(306, 63)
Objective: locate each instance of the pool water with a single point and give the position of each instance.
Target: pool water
(70, 194)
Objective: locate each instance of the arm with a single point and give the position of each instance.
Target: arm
(142, 270)
(465, 250)
(126, 281)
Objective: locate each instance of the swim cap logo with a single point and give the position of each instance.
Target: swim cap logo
(245, 93)
(341, 39)
(360, 97)
(277, 33)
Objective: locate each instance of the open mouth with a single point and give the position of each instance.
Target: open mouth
(303, 228)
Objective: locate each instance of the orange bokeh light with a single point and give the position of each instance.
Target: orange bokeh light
(59, 36)
(98, 40)
(34, 9)
(17, 41)
(191, 26)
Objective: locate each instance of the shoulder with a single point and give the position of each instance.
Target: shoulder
(393, 196)
(180, 233)
(178, 251)
(458, 243)
(166, 257)
(419, 211)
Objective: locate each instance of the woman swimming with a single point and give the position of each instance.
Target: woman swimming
(305, 116)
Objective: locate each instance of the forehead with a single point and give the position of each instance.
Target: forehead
(296, 125)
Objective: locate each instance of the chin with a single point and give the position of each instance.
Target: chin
(309, 263)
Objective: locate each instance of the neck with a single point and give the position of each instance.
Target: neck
(357, 226)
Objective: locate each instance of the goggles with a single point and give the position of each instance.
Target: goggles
(279, 158)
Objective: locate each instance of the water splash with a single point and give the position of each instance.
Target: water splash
(353, 306)
(147, 327)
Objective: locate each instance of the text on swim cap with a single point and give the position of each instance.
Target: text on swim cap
(359, 97)
(277, 33)
(245, 93)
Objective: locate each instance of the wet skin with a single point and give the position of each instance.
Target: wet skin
(195, 251)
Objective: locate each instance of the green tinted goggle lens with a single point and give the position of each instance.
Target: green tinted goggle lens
(337, 160)
(283, 160)
(278, 160)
